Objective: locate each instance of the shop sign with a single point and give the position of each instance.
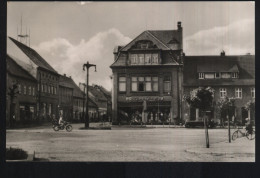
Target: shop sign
(144, 98)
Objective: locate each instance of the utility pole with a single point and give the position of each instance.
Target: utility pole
(87, 65)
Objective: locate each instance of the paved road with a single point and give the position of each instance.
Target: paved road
(120, 144)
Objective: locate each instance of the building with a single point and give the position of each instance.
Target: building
(22, 107)
(47, 77)
(66, 97)
(229, 76)
(147, 77)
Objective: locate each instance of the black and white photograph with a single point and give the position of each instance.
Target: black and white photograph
(130, 81)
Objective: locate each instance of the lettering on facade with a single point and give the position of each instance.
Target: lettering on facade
(144, 98)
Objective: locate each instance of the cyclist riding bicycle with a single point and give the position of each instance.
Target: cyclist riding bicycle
(249, 126)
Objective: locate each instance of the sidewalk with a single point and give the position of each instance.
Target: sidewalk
(239, 146)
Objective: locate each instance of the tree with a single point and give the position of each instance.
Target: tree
(225, 106)
(201, 98)
(250, 106)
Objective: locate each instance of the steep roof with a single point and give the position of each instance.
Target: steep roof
(33, 55)
(244, 64)
(162, 39)
(15, 69)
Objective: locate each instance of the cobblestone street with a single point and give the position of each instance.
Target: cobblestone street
(131, 144)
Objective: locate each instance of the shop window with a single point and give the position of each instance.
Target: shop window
(223, 92)
(122, 84)
(238, 92)
(167, 84)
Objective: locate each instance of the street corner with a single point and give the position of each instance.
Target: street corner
(241, 146)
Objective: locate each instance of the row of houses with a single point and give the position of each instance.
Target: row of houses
(42, 93)
(151, 74)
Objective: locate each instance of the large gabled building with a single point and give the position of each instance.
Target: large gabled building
(47, 77)
(147, 76)
(229, 76)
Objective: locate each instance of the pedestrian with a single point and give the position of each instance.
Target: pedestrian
(61, 121)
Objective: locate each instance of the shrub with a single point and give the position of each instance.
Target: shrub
(15, 154)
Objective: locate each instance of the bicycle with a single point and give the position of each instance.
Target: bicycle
(238, 134)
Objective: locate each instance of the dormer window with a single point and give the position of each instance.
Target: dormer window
(225, 75)
(235, 75)
(144, 59)
(201, 75)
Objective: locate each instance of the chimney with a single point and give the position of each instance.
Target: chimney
(64, 75)
(222, 53)
(179, 26)
(70, 76)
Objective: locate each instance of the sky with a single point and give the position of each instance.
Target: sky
(68, 34)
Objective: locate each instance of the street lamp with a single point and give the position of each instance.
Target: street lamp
(87, 65)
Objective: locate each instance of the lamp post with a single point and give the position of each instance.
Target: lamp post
(87, 65)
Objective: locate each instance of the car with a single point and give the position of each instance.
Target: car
(193, 124)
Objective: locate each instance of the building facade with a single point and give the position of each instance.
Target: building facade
(47, 77)
(20, 107)
(229, 76)
(147, 78)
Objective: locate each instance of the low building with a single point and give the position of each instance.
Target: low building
(229, 76)
(21, 107)
(147, 76)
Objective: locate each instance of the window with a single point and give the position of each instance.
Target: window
(49, 89)
(29, 90)
(235, 75)
(155, 83)
(19, 88)
(55, 90)
(42, 88)
(238, 92)
(141, 58)
(223, 92)
(122, 84)
(201, 75)
(38, 87)
(155, 58)
(225, 75)
(33, 91)
(148, 84)
(253, 92)
(144, 83)
(167, 84)
(148, 58)
(217, 75)
(209, 76)
(134, 83)
(24, 90)
(133, 58)
(45, 88)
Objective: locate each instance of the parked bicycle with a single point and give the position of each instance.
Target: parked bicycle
(239, 133)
